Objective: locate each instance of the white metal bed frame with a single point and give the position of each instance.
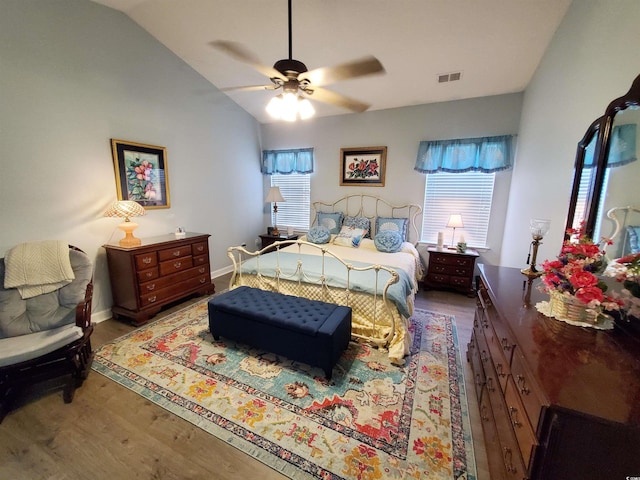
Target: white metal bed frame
(369, 319)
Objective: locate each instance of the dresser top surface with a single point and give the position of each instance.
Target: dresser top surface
(582, 369)
(158, 241)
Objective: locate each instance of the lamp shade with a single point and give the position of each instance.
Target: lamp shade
(274, 195)
(125, 209)
(455, 221)
(539, 227)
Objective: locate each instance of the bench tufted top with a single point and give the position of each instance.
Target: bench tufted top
(285, 311)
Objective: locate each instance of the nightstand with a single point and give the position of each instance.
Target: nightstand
(450, 269)
(269, 239)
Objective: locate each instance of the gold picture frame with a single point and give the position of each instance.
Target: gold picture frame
(365, 166)
(141, 173)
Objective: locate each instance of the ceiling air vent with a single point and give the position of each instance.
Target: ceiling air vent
(449, 77)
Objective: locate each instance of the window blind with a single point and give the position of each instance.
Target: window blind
(295, 210)
(470, 194)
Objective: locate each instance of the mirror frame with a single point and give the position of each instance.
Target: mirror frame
(602, 128)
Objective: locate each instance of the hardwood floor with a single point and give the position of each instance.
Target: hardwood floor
(110, 432)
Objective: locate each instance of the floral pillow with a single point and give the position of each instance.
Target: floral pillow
(399, 225)
(357, 222)
(388, 241)
(350, 237)
(319, 234)
(331, 220)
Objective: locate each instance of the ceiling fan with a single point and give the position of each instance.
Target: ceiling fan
(293, 76)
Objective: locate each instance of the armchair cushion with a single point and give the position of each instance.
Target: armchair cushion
(51, 310)
(27, 347)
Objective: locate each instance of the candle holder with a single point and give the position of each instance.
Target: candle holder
(539, 229)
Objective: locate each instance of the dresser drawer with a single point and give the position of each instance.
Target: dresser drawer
(200, 247)
(520, 422)
(174, 253)
(500, 360)
(177, 265)
(452, 260)
(176, 290)
(146, 275)
(527, 391)
(168, 280)
(146, 260)
(477, 368)
(201, 259)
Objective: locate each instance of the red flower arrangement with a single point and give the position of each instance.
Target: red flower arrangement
(575, 272)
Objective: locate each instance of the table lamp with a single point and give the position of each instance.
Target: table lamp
(126, 209)
(455, 221)
(274, 196)
(538, 228)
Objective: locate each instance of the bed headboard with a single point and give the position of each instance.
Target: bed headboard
(626, 225)
(370, 206)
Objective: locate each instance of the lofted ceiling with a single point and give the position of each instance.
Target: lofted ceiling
(496, 45)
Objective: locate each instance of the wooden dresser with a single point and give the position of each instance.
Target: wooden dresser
(160, 271)
(557, 402)
(450, 269)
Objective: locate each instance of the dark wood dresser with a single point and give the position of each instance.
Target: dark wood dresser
(450, 269)
(557, 402)
(160, 271)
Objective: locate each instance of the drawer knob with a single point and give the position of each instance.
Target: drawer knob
(152, 299)
(176, 253)
(490, 385)
(500, 370)
(147, 260)
(177, 264)
(201, 270)
(151, 287)
(513, 412)
(200, 249)
(202, 280)
(149, 274)
(484, 415)
(522, 385)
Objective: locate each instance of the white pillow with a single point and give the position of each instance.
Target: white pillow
(350, 237)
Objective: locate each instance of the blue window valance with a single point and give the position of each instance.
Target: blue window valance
(484, 154)
(298, 160)
(622, 147)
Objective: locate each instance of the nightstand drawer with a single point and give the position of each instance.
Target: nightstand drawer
(452, 259)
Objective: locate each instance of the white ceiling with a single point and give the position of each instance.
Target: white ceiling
(496, 44)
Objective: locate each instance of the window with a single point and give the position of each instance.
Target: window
(581, 202)
(469, 194)
(295, 210)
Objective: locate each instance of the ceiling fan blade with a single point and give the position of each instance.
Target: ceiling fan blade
(242, 54)
(358, 68)
(250, 88)
(327, 96)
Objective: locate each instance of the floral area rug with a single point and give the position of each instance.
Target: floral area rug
(372, 420)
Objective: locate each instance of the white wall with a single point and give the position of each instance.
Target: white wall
(592, 59)
(401, 130)
(73, 75)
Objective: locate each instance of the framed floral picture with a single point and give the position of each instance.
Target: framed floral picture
(141, 173)
(363, 166)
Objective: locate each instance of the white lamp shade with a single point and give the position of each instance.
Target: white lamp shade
(125, 209)
(455, 221)
(539, 226)
(274, 195)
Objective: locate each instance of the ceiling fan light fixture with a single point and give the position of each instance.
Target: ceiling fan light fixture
(289, 107)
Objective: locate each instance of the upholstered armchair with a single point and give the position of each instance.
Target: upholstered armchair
(46, 336)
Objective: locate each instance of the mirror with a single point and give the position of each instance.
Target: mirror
(606, 166)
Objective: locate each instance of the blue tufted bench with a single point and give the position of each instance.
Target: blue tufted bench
(300, 329)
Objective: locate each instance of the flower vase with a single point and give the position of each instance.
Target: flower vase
(567, 308)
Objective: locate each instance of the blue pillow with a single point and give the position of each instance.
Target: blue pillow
(319, 234)
(358, 222)
(333, 220)
(633, 233)
(399, 225)
(388, 241)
